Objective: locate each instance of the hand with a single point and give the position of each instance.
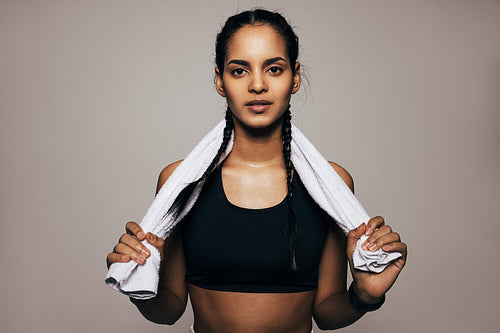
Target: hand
(370, 287)
(131, 248)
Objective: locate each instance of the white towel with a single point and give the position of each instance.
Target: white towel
(321, 181)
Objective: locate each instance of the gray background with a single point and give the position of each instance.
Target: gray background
(97, 97)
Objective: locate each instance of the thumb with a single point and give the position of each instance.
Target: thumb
(156, 241)
(352, 238)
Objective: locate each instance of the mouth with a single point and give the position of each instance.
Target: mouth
(258, 105)
(258, 102)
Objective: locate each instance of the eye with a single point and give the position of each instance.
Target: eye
(275, 70)
(238, 71)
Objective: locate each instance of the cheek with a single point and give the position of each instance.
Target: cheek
(236, 91)
(284, 85)
(230, 97)
(285, 91)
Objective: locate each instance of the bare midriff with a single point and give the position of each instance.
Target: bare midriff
(240, 312)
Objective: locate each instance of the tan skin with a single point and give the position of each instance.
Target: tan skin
(254, 176)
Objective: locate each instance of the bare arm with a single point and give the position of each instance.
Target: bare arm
(170, 302)
(333, 308)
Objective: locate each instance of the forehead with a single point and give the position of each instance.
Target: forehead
(254, 42)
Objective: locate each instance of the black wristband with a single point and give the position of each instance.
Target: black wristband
(359, 305)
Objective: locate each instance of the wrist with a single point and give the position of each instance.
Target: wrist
(362, 302)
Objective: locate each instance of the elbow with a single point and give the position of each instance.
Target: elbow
(322, 325)
(162, 318)
(327, 326)
(172, 317)
(333, 323)
(159, 313)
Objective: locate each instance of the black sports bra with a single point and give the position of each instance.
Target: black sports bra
(230, 248)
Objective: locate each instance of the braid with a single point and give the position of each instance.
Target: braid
(181, 201)
(228, 130)
(291, 226)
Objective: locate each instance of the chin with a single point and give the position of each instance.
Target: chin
(260, 123)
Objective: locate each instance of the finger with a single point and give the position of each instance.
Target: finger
(135, 229)
(392, 237)
(135, 244)
(155, 240)
(380, 232)
(123, 249)
(396, 247)
(116, 257)
(357, 233)
(374, 223)
(352, 238)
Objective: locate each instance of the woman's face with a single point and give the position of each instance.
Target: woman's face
(258, 80)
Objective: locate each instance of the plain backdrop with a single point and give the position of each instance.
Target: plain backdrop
(96, 97)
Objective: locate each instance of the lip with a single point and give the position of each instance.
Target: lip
(258, 105)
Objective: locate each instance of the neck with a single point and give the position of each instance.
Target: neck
(257, 147)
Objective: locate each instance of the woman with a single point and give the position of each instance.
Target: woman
(274, 259)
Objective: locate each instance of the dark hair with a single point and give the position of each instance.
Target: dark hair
(180, 202)
(291, 225)
(279, 23)
(256, 17)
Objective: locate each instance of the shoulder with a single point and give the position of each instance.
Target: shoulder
(346, 177)
(166, 173)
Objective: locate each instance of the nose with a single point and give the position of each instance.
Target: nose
(257, 83)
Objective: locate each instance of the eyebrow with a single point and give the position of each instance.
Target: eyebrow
(247, 64)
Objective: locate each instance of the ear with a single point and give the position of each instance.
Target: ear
(219, 84)
(296, 78)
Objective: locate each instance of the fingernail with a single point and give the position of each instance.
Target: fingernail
(386, 247)
(145, 252)
(141, 235)
(372, 247)
(368, 231)
(125, 258)
(141, 259)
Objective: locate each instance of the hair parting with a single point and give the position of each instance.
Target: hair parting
(256, 17)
